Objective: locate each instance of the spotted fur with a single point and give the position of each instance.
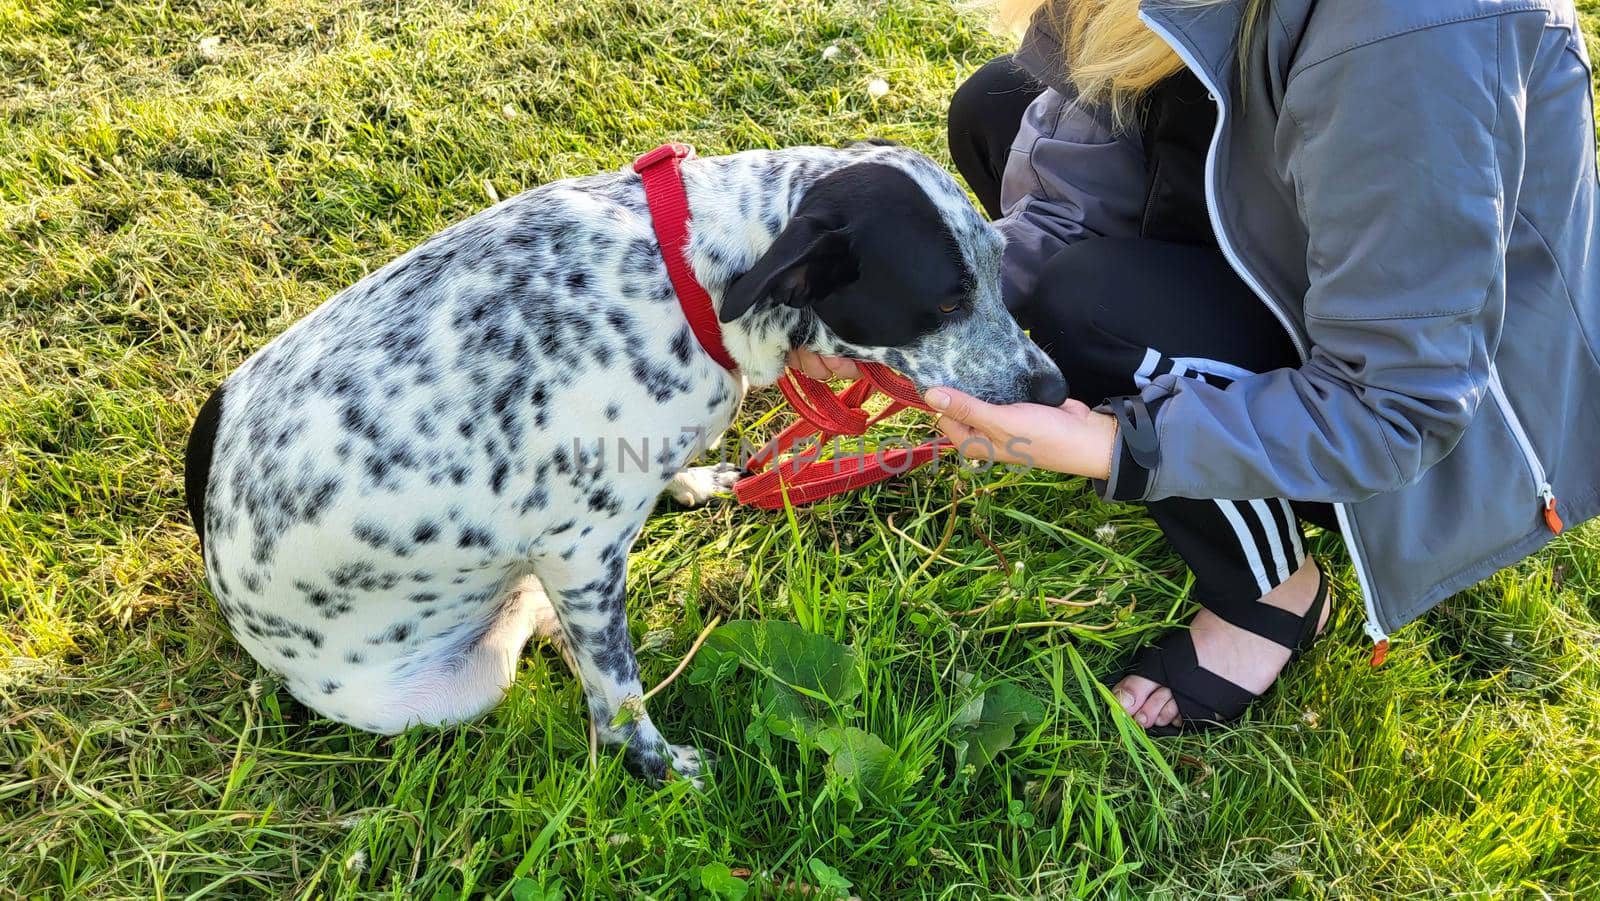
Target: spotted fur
(399, 490)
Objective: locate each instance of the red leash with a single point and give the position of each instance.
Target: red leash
(801, 478)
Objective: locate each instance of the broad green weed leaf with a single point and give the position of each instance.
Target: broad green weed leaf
(831, 882)
(711, 667)
(787, 705)
(861, 760)
(814, 665)
(987, 725)
(526, 889)
(717, 879)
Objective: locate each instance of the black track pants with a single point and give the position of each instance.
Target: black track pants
(1115, 313)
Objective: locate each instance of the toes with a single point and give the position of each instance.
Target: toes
(1132, 691)
(1148, 712)
(698, 484)
(1168, 715)
(690, 763)
(724, 475)
(656, 762)
(687, 760)
(647, 762)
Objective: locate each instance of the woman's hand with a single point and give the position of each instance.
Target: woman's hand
(1070, 438)
(820, 367)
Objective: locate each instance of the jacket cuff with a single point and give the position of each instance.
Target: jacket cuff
(1138, 450)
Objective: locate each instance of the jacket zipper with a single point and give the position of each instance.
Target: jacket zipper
(1150, 201)
(1352, 539)
(1541, 478)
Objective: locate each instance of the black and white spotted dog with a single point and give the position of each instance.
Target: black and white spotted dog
(402, 488)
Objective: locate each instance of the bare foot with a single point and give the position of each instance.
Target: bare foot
(1247, 660)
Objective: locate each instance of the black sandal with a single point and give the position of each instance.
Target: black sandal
(1206, 700)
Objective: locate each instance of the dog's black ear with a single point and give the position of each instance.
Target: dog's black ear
(808, 262)
(871, 142)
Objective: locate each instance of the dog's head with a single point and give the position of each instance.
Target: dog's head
(897, 267)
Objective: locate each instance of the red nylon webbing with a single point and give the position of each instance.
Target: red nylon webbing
(797, 480)
(669, 212)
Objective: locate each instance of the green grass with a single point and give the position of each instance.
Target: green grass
(166, 207)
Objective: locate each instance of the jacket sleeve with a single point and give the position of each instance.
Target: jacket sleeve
(1070, 174)
(1404, 172)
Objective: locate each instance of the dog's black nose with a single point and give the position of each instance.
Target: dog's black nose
(1048, 388)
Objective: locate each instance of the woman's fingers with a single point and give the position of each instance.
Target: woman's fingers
(808, 363)
(822, 367)
(1070, 438)
(955, 421)
(842, 368)
(972, 443)
(975, 427)
(963, 408)
(979, 430)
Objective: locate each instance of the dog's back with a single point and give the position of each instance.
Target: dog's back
(377, 470)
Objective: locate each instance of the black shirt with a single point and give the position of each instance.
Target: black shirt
(1179, 120)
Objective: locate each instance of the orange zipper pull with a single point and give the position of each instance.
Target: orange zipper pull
(1551, 517)
(1380, 653)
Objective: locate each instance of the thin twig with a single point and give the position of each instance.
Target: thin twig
(693, 649)
(1048, 624)
(889, 523)
(1063, 601)
(1066, 600)
(1005, 565)
(949, 530)
(1199, 764)
(979, 611)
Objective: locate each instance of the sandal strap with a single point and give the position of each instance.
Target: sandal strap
(1313, 618)
(1201, 695)
(1292, 631)
(1275, 624)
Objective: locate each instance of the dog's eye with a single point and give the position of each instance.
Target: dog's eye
(949, 306)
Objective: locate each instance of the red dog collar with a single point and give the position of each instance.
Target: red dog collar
(669, 212)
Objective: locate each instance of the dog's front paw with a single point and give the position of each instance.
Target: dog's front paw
(653, 763)
(698, 484)
(691, 763)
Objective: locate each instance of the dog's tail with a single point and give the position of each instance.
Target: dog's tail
(197, 461)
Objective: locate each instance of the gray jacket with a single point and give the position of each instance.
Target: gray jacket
(1410, 188)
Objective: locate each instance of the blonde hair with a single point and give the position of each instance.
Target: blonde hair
(1111, 57)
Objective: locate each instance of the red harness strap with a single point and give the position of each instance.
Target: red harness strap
(801, 478)
(669, 213)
